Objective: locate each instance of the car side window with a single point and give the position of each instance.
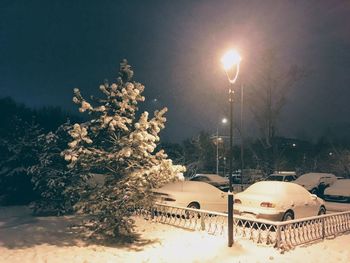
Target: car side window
(289, 178)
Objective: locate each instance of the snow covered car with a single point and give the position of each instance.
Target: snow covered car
(277, 201)
(338, 192)
(197, 195)
(280, 177)
(216, 180)
(315, 183)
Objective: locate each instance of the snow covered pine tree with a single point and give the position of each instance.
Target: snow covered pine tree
(115, 144)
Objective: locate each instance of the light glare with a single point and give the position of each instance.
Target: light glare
(230, 59)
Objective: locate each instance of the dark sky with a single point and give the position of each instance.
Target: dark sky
(50, 47)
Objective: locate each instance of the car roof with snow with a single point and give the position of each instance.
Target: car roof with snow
(275, 188)
(312, 177)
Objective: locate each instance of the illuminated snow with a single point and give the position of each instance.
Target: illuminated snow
(26, 239)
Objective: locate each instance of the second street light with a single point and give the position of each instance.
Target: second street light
(230, 62)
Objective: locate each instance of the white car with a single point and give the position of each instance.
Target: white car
(191, 194)
(315, 183)
(213, 179)
(338, 192)
(277, 201)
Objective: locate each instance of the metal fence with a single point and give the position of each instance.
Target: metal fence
(282, 235)
(306, 230)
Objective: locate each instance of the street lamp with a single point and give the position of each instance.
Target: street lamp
(230, 62)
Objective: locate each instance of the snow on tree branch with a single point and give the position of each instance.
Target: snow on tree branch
(122, 148)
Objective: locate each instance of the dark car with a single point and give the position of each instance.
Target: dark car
(316, 183)
(338, 192)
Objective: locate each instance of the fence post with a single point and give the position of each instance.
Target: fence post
(152, 212)
(323, 228)
(202, 221)
(278, 236)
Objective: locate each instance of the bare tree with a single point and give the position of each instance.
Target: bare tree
(268, 91)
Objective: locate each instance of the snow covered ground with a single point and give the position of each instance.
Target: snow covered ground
(337, 207)
(24, 238)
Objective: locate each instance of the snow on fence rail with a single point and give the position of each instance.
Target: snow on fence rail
(282, 235)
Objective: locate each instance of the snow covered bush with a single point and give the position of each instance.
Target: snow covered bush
(114, 143)
(55, 184)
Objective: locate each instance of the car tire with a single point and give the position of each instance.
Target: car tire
(289, 215)
(193, 205)
(322, 211)
(190, 214)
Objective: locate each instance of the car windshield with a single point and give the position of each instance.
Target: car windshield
(210, 178)
(200, 179)
(274, 178)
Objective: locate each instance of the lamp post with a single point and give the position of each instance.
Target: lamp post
(242, 138)
(230, 62)
(218, 139)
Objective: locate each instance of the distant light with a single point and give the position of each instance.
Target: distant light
(230, 59)
(155, 100)
(294, 145)
(224, 120)
(330, 154)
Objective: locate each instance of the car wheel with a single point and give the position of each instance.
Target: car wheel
(288, 216)
(314, 191)
(193, 205)
(322, 211)
(190, 214)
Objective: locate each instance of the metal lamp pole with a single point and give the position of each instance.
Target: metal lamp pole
(230, 194)
(217, 150)
(229, 60)
(242, 137)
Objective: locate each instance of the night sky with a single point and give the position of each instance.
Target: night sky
(47, 48)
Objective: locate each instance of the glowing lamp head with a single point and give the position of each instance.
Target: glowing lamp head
(230, 59)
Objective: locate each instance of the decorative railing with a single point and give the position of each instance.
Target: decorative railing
(188, 218)
(301, 231)
(282, 235)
